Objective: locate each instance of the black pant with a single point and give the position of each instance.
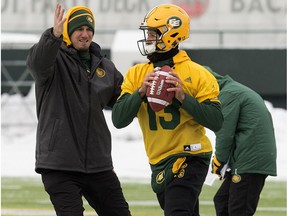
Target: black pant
(180, 197)
(239, 198)
(102, 191)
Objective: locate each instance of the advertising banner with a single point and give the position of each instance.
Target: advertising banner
(37, 15)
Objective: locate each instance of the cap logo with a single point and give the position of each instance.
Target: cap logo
(175, 22)
(89, 19)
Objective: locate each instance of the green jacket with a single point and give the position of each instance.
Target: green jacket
(247, 130)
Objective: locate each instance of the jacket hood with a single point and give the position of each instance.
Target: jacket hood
(66, 37)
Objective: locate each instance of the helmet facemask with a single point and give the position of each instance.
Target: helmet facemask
(152, 41)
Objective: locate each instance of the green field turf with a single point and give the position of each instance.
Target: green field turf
(26, 196)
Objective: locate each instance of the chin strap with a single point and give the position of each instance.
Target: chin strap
(157, 57)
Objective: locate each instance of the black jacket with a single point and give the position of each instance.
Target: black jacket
(72, 133)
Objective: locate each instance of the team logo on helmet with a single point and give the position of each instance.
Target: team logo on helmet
(176, 22)
(100, 72)
(194, 8)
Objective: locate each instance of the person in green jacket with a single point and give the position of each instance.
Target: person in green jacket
(245, 145)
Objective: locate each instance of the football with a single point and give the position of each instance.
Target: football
(157, 95)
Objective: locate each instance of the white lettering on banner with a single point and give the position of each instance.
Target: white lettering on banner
(118, 6)
(37, 15)
(5, 4)
(260, 6)
(123, 6)
(40, 6)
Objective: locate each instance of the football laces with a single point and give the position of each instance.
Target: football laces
(152, 89)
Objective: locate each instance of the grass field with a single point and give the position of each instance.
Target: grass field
(26, 196)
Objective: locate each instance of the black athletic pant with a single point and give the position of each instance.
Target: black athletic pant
(180, 198)
(239, 198)
(102, 191)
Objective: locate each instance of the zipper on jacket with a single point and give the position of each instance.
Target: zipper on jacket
(88, 71)
(90, 76)
(88, 122)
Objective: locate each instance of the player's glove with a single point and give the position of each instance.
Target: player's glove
(217, 166)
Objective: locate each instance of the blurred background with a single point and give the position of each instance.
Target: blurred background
(243, 38)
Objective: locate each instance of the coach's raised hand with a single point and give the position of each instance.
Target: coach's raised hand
(58, 21)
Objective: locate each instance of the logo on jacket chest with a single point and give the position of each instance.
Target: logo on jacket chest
(100, 72)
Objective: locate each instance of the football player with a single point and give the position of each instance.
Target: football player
(178, 150)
